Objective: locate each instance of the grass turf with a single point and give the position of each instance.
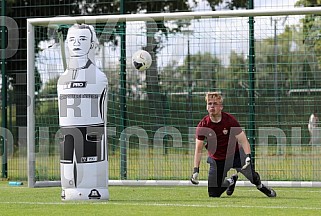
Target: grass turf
(147, 200)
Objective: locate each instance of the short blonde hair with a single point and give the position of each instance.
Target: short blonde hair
(214, 95)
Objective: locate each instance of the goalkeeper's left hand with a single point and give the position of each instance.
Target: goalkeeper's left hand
(247, 162)
(194, 178)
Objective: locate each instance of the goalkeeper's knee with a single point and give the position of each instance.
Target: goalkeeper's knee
(216, 191)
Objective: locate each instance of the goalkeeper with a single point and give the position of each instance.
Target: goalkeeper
(227, 147)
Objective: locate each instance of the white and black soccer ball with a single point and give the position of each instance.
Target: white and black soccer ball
(141, 60)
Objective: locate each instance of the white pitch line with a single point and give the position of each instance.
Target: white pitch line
(292, 191)
(161, 204)
(213, 206)
(251, 189)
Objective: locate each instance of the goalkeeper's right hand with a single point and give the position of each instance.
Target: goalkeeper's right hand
(194, 178)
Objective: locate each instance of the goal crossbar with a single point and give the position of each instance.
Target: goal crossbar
(173, 16)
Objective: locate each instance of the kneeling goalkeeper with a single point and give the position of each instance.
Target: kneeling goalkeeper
(227, 147)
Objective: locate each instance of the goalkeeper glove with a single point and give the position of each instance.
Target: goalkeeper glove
(194, 178)
(247, 161)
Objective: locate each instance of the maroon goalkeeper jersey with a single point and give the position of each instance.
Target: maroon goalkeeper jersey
(220, 137)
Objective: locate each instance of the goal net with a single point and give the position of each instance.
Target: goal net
(265, 62)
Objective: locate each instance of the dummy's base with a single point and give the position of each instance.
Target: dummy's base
(94, 194)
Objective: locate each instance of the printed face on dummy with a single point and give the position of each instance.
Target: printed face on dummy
(79, 42)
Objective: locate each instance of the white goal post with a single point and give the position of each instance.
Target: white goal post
(47, 22)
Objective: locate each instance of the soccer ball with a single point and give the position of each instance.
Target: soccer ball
(142, 60)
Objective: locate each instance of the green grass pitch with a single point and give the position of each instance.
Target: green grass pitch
(148, 200)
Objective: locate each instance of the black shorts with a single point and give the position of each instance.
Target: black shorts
(87, 144)
(219, 168)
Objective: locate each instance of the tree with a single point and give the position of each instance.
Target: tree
(50, 88)
(205, 67)
(311, 42)
(275, 62)
(203, 73)
(235, 75)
